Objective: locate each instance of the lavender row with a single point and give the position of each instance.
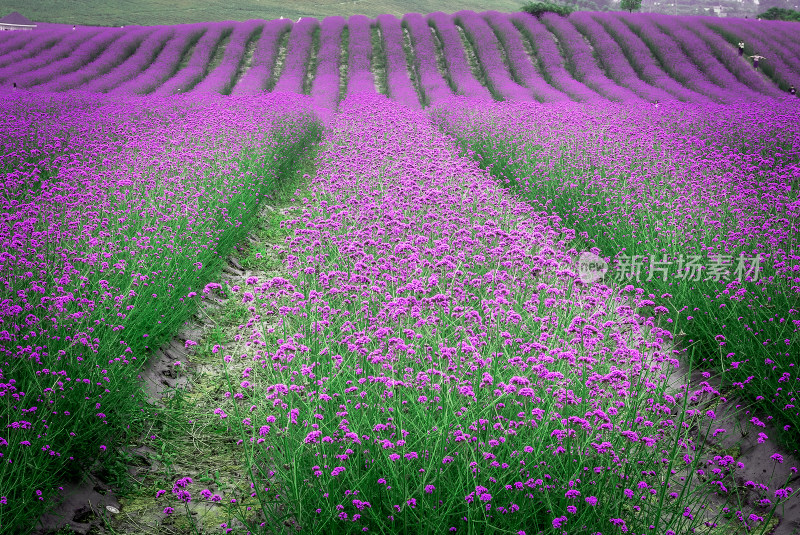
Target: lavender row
(139, 61)
(115, 54)
(359, 58)
(456, 61)
(325, 89)
(519, 62)
(726, 54)
(87, 52)
(165, 64)
(643, 61)
(400, 87)
(701, 55)
(44, 58)
(673, 59)
(777, 40)
(433, 86)
(550, 58)
(758, 44)
(613, 60)
(256, 78)
(197, 68)
(487, 49)
(33, 46)
(580, 58)
(298, 51)
(12, 42)
(786, 36)
(221, 79)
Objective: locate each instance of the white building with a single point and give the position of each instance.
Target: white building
(15, 21)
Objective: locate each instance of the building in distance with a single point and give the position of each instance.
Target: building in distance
(15, 21)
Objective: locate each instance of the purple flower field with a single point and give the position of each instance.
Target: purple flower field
(554, 292)
(584, 57)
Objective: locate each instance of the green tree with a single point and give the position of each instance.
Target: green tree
(630, 5)
(537, 9)
(777, 13)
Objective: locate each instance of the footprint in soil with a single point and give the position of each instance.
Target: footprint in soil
(78, 509)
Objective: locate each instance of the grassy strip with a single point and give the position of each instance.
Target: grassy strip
(344, 62)
(244, 62)
(378, 63)
(412, 64)
(441, 63)
(311, 65)
(280, 59)
(475, 65)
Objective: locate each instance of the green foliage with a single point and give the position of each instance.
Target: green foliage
(537, 9)
(630, 5)
(779, 13)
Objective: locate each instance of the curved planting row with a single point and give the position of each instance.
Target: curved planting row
(727, 54)
(433, 85)
(701, 55)
(115, 54)
(359, 57)
(583, 57)
(220, 80)
(444, 29)
(487, 49)
(33, 45)
(550, 59)
(759, 42)
(42, 58)
(580, 60)
(84, 54)
(647, 67)
(258, 76)
(673, 58)
(298, 52)
(325, 88)
(520, 64)
(165, 64)
(140, 60)
(611, 58)
(397, 75)
(197, 67)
